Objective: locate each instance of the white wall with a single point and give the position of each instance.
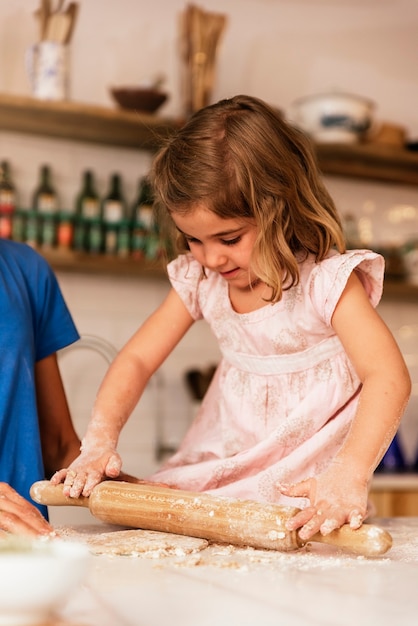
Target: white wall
(276, 49)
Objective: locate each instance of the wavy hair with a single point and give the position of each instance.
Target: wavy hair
(241, 159)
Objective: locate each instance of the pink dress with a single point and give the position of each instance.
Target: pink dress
(284, 394)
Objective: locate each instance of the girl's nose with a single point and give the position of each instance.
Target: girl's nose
(214, 257)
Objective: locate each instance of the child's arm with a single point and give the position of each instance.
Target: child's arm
(60, 443)
(119, 393)
(339, 495)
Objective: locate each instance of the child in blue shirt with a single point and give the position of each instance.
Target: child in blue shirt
(36, 432)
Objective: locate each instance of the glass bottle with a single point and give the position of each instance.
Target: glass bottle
(95, 241)
(142, 208)
(65, 230)
(145, 239)
(45, 207)
(124, 238)
(48, 231)
(19, 225)
(114, 210)
(7, 201)
(87, 211)
(32, 228)
(45, 198)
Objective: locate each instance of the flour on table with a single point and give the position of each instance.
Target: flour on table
(181, 551)
(132, 542)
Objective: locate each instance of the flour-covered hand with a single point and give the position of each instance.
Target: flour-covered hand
(335, 499)
(89, 469)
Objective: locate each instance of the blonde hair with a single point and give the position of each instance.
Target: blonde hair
(243, 160)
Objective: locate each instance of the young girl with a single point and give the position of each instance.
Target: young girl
(311, 386)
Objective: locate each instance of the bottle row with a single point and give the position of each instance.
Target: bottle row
(95, 225)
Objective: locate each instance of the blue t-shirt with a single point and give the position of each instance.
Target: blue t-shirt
(34, 323)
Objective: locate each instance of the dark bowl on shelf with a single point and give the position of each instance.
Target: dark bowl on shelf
(138, 98)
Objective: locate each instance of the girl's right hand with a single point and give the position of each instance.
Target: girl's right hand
(87, 471)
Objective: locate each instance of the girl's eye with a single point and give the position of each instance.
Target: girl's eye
(231, 242)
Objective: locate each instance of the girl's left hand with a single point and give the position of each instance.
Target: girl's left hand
(335, 499)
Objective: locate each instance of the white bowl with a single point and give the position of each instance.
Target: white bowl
(36, 577)
(334, 117)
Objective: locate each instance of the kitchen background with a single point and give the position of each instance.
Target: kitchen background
(274, 49)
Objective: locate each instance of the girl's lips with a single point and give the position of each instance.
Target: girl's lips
(230, 273)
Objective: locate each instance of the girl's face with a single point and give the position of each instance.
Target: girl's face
(221, 245)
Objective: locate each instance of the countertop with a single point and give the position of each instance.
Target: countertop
(315, 586)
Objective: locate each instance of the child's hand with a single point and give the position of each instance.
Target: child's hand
(87, 471)
(335, 499)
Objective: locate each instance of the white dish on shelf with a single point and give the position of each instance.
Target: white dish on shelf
(334, 117)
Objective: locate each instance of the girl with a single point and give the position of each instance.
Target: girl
(311, 386)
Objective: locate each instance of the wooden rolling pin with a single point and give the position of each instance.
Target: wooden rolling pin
(217, 519)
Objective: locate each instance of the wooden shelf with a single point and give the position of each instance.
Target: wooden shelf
(398, 290)
(70, 261)
(369, 161)
(116, 127)
(82, 122)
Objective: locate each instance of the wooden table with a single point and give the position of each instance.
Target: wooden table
(242, 587)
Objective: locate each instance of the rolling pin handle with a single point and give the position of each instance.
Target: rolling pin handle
(44, 492)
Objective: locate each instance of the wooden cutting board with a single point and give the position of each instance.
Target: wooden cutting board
(217, 519)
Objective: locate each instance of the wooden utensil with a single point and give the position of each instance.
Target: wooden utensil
(58, 25)
(200, 34)
(44, 15)
(221, 520)
(71, 13)
(58, 6)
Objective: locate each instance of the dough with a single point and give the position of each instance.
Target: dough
(133, 542)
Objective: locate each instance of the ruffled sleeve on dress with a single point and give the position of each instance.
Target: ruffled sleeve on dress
(185, 275)
(329, 279)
